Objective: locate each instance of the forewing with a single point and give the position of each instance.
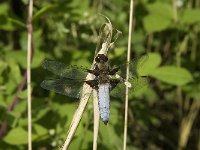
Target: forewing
(66, 87)
(65, 71)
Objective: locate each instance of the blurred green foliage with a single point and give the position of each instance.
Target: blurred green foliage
(67, 31)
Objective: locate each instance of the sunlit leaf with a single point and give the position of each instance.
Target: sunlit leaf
(153, 61)
(37, 59)
(3, 66)
(190, 16)
(41, 114)
(4, 8)
(42, 11)
(161, 8)
(172, 75)
(110, 137)
(22, 94)
(39, 132)
(16, 136)
(159, 18)
(17, 56)
(155, 23)
(15, 73)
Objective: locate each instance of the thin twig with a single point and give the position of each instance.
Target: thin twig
(78, 114)
(96, 119)
(186, 124)
(29, 51)
(127, 73)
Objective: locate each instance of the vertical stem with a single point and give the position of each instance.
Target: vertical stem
(174, 10)
(198, 139)
(149, 41)
(96, 119)
(29, 50)
(127, 73)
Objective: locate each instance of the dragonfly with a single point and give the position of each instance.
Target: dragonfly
(107, 80)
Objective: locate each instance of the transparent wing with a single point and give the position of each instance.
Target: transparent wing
(136, 82)
(134, 67)
(65, 71)
(66, 87)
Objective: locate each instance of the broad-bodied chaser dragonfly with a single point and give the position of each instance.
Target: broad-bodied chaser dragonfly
(105, 81)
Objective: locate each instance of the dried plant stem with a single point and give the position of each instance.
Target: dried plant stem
(186, 124)
(78, 114)
(29, 50)
(127, 73)
(96, 119)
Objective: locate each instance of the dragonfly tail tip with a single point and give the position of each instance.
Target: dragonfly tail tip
(105, 122)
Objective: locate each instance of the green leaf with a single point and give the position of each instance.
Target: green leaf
(114, 113)
(2, 102)
(16, 136)
(41, 114)
(172, 75)
(15, 73)
(110, 137)
(14, 77)
(37, 59)
(155, 23)
(16, 22)
(19, 136)
(119, 52)
(3, 66)
(82, 141)
(39, 132)
(4, 8)
(10, 24)
(23, 94)
(190, 16)
(162, 9)
(10, 118)
(21, 107)
(192, 90)
(43, 11)
(153, 61)
(61, 109)
(17, 56)
(159, 18)
(23, 122)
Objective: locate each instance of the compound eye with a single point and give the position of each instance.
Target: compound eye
(105, 58)
(97, 59)
(101, 57)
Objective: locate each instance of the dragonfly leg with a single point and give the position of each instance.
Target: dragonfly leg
(93, 83)
(114, 82)
(114, 71)
(127, 83)
(95, 71)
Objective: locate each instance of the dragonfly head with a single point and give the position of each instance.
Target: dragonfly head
(101, 58)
